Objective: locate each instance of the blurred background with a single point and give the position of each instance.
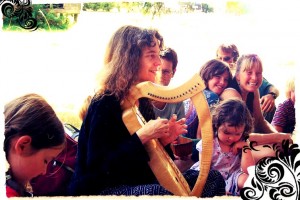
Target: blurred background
(60, 60)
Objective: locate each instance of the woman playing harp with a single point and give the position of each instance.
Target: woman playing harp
(110, 160)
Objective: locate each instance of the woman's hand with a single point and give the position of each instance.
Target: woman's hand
(154, 129)
(176, 128)
(267, 103)
(284, 136)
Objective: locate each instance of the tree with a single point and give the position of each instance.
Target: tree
(104, 6)
(154, 9)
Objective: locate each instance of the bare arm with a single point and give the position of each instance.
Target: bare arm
(260, 124)
(263, 139)
(247, 160)
(229, 93)
(270, 138)
(278, 128)
(275, 90)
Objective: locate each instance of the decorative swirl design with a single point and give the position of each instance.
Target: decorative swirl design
(20, 9)
(269, 170)
(275, 177)
(285, 189)
(251, 193)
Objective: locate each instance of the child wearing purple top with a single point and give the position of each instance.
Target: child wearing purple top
(232, 122)
(284, 118)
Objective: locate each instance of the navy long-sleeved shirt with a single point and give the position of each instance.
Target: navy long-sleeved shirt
(107, 154)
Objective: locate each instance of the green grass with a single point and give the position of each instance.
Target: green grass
(69, 117)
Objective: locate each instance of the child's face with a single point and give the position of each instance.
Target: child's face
(149, 63)
(217, 84)
(27, 166)
(228, 135)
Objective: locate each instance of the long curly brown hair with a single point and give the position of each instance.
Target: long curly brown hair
(121, 61)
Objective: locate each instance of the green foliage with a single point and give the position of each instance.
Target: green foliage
(130, 6)
(154, 9)
(147, 8)
(46, 18)
(206, 8)
(187, 7)
(104, 6)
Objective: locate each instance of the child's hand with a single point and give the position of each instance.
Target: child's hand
(237, 146)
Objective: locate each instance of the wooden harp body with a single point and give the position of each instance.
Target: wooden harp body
(161, 164)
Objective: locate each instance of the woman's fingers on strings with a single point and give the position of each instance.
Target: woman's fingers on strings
(181, 121)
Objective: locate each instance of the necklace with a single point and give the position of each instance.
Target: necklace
(159, 105)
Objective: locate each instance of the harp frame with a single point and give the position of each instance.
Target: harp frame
(163, 167)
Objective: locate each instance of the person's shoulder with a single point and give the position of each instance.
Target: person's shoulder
(104, 102)
(287, 102)
(230, 89)
(230, 93)
(266, 82)
(104, 99)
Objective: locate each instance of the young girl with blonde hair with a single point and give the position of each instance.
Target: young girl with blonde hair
(285, 115)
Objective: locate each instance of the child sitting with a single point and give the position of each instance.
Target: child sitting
(284, 119)
(33, 137)
(232, 122)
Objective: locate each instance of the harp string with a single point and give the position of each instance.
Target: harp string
(161, 164)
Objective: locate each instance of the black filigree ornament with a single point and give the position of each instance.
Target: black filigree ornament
(22, 10)
(275, 177)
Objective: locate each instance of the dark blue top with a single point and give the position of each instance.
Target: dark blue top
(108, 155)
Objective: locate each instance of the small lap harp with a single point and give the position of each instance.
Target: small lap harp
(160, 163)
